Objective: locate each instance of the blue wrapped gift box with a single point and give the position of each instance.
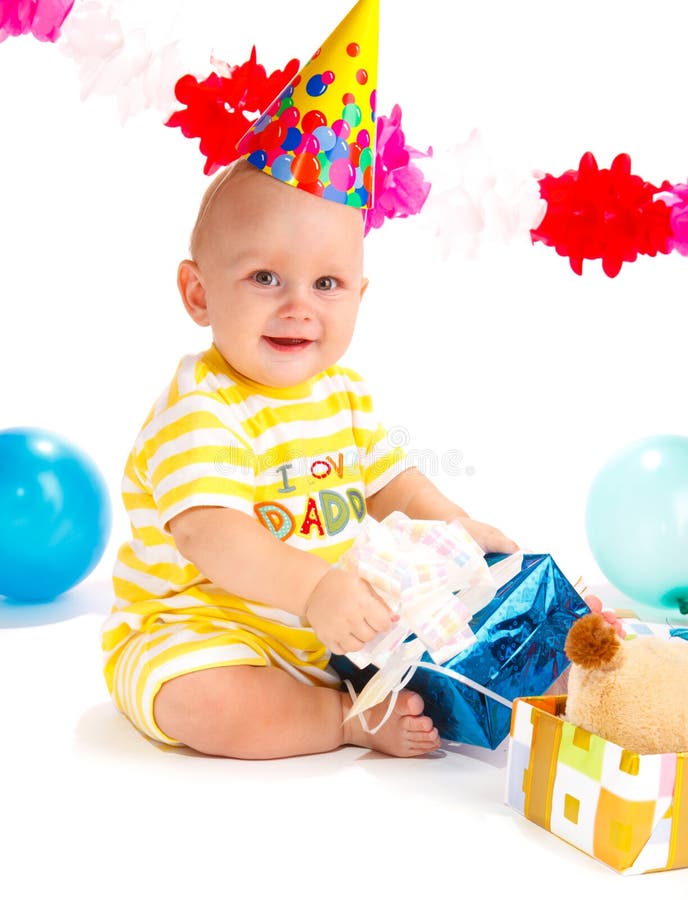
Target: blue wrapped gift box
(519, 652)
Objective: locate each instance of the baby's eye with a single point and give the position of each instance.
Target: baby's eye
(267, 279)
(326, 283)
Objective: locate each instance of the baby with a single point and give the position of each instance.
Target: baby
(247, 482)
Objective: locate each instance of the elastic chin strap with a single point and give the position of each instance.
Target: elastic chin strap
(405, 680)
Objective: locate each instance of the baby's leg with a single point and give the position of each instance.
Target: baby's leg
(261, 712)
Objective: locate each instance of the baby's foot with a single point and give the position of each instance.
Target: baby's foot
(405, 733)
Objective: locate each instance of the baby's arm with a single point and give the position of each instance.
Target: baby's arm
(415, 495)
(239, 555)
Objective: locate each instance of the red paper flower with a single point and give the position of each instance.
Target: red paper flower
(400, 188)
(216, 107)
(605, 214)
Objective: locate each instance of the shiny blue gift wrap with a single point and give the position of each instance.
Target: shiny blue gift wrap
(519, 652)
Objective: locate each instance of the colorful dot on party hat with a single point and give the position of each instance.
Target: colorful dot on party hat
(317, 134)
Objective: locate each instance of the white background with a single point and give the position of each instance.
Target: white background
(544, 375)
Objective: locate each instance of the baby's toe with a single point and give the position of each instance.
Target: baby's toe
(422, 742)
(419, 724)
(409, 704)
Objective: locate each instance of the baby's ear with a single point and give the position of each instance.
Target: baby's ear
(192, 290)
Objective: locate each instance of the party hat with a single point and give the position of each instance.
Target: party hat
(319, 134)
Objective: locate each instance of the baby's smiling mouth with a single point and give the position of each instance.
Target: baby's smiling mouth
(287, 343)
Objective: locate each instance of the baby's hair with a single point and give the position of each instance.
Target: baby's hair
(211, 193)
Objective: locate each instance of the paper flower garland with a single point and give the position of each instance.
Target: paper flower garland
(121, 63)
(400, 188)
(676, 198)
(216, 108)
(476, 200)
(41, 18)
(584, 213)
(606, 214)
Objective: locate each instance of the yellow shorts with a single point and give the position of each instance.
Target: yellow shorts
(150, 659)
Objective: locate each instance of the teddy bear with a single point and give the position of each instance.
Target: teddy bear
(631, 692)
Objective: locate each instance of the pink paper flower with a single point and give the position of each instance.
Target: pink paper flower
(41, 18)
(676, 197)
(400, 188)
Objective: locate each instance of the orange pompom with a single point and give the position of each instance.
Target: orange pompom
(591, 642)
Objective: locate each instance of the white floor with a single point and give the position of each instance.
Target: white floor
(90, 809)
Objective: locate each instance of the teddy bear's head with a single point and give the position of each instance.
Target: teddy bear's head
(632, 692)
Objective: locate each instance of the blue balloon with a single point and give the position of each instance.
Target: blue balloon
(636, 521)
(55, 514)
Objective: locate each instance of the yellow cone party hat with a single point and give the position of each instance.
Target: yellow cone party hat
(319, 134)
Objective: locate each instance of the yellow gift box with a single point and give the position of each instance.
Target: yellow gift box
(626, 809)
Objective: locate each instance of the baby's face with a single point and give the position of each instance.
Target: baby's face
(281, 273)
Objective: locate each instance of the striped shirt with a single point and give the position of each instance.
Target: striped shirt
(301, 460)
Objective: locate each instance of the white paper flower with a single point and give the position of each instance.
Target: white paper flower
(116, 62)
(474, 200)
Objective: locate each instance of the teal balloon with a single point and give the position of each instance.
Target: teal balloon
(55, 514)
(636, 520)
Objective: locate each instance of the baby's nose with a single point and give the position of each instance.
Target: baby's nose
(297, 304)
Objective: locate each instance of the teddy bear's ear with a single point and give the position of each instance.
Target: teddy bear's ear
(592, 643)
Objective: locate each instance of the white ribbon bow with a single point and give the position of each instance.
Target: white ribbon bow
(434, 576)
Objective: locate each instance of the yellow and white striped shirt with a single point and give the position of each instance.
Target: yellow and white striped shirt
(300, 459)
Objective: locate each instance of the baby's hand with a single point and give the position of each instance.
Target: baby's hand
(595, 605)
(490, 539)
(345, 612)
